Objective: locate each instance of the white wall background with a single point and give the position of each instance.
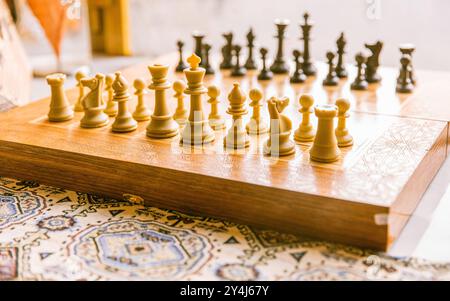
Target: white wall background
(157, 24)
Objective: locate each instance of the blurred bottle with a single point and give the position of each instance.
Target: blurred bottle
(75, 51)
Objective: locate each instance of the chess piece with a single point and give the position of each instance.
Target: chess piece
(162, 124)
(227, 52)
(142, 113)
(181, 64)
(198, 38)
(78, 107)
(331, 79)
(237, 137)
(215, 119)
(325, 147)
(279, 142)
(298, 76)
(279, 65)
(360, 82)
(373, 62)
(408, 49)
(343, 137)
(341, 72)
(404, 83)
(265, 73)
(124, 121)
(197, 130)
(308, 67)
(238, 70)
(60, 109)
(306, 131)
(93, 104)
(206, 51)
(111, 105)
(181, 114)
(257, 125)
(250, 64)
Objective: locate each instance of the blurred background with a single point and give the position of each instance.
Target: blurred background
(107, 35)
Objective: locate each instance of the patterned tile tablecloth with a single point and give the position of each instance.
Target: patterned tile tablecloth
(48, 233)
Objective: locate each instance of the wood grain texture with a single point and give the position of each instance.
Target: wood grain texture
(364, 199)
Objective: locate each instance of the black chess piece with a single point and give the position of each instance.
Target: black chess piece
(373, 62)
(308, 67)
(238, 70)
(206, 51)
(298, 76)
(181, 64)
(360, 82)
(265, 73)
(408, 49)
(279, 65)
(404, 84)
(250, 64)
(341, 72)
(331, 79)
(198, 41)
(227, 52)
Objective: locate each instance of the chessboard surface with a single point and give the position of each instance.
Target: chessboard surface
(364, 199)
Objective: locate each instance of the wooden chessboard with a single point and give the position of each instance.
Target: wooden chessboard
(364, 199)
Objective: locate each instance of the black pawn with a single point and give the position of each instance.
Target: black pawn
(308, 67)
(238, 70)
(373, 62)
(408, 49)
(341, 72)
(265, 73)
(181, 64)
(279, 65)
(198, 40)
(360, 82)
(227, 52)
(298, 76)
(331, 79)
(206, 51)
(404, 84)
(250, 64)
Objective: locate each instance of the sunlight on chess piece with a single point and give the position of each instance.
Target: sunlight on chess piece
(93, 104)
(162, 124)
(216, 121)
(279, 143)
(142, 113)
(343, 136)
(325, 147)
(257, 125)
(78, 107)
(111, 105)
(197, 130)
(181, 114)
(124, 121)
(306, 131)
(237, 137)
(60, 109)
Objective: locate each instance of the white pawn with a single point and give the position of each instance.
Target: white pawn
(215, 119)
(142, 113)
(257, 124)
(111, 105)
(343, 136)
(181, 114)
(78, 107)
(306, 131)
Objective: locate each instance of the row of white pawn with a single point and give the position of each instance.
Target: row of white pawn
(327, 140)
